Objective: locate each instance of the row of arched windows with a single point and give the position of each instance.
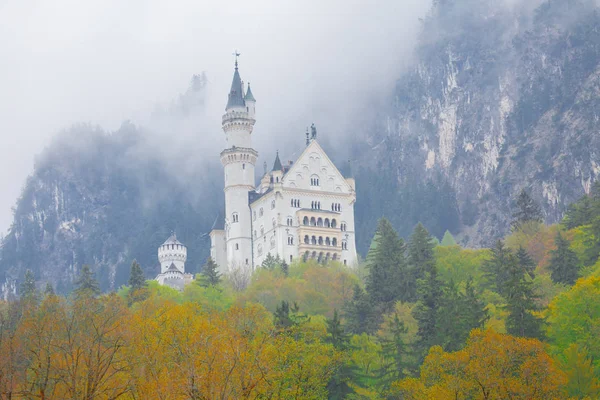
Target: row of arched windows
(336, 207)
(321, 257)
(320, 222)
(315, 205)
(320, 241)
(314, 181)
(295, 203)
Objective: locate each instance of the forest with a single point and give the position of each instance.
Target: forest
(417, 319)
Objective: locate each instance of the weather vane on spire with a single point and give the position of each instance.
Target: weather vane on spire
(236, 54)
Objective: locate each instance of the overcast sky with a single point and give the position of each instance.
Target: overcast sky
(68, 61)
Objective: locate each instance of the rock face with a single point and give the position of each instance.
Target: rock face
(503, 97)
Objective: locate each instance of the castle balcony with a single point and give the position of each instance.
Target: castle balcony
(237, 116)
(320, 253)
(318, 219)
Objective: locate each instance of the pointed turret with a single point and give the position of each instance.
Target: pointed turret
(236, 93)
(249, 96)
(277, 165)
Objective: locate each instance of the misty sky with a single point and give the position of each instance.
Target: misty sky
(68, 61)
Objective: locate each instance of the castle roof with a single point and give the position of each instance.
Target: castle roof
(236, 93)
(172, 240)
(249, 96)
(173, 268)
(277, 165)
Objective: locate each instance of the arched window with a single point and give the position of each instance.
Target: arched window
(237, 246)
(320, 240)
(313, 221)
(320, 259)
(305, 221)
(290, 240)
(344, 245)
(318, 205)
(290, 221)
(327, 241)
(261, 212)
(334, 242)
(235, 217)
(327, 223)
(314, 180)
(334, 257)
(243, 166)
(333, 223)
(343, 227)
(305, 256)
(292, 203)
(314, 254)
(306, 239)
(272, 204)
(313, 240)
(320, 222)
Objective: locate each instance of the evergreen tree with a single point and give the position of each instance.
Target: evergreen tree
(339, 384)
(282, 316)
(448, 239)
(136, 276)
(388, 280)
(49, 290)
(271, 263)
(430, 293)
(28, 289)
(520, 302)
(394, 353)
(475, 313)
(285, 268)
(421, 257)
(360, 313)
(525, 261)
(564, 263)
(579, 213)
(496, 267)
(527, 210)
(210, 273)
(86, 284)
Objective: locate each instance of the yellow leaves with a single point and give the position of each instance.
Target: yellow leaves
(491, 366)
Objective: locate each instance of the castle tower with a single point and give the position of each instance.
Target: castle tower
(172, 255)
(238, 161)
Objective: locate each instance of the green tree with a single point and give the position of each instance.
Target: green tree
(495, 268)
(579, 213)
(49, 290)
(339, 385)
(28, 289)
(360, 313)
(421, 257)
(526, 261)
(394, 352)
(564, 264)
(430, 293)
(285, 268)
(448, 239)
(527, 210)
(210, 274)
(86, 284)
(136, 276)
(520, 302)
(388, 280)
(271, 263)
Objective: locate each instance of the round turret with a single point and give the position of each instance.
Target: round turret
(172, 252)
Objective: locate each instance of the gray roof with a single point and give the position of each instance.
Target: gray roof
(249, 96)
(236, 94)
(173, 240)
(277, 165)
(172, 267)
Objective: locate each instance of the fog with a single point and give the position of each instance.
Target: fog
(103, 62)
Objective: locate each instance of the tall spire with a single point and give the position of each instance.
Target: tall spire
(249, 95)
(277, 165)
(236, 93)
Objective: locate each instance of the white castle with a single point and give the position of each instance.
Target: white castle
(172, 255)
(302, 209)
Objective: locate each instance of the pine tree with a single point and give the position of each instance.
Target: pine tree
(388, 280)
(339, 384)
(28, 289)
(496, 267)
(271, 263)
(136, 276)
(421, 257)
(361, 315)
(210, 274)
(564, 263)
(282, 316)
(49, 290)
(86, 284)
(527, 210)
(475, 313)
(394, 352)
(525, 261)
(579, 213)
(448, 239)
(520, 302)
(285, 268)
(430, 293)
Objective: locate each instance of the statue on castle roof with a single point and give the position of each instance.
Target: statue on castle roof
(313, 130)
